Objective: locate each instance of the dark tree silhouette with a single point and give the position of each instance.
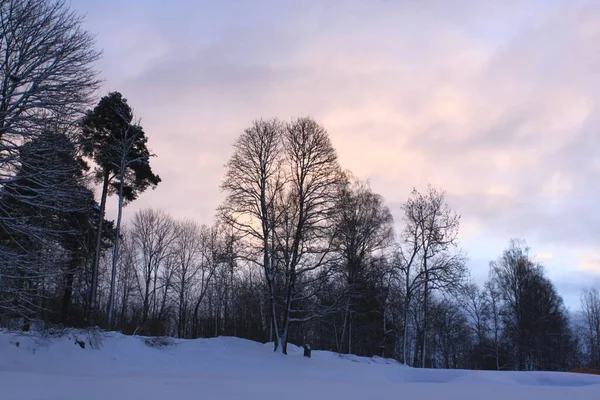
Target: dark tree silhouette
(118, 146)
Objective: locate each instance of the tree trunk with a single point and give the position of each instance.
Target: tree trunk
(147, 282)
(67, 296)
(286, 317)
(425, 316)
(405, 335)
(346, 314)
(275, 325)
(182, 308)
(233, 305)
(95, 265)
(115, 258)
(217, 306)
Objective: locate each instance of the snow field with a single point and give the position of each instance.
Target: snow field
(114, 366)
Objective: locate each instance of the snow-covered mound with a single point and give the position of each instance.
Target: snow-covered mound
(113, 366)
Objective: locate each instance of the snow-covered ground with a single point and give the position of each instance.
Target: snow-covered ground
(113, 367)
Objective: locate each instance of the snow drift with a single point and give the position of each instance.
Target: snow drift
(114, 366)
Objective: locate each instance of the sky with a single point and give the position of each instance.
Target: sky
(495, 102)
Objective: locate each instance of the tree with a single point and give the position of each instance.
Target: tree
(118, 146)
(495, 302)
(305, 236)
(590, 308)
(47, 205)
(46, 69)
(46, 81)
(363, 225)
(189, 264)
(451, 337)
(476, 304)
(431, 233)
(281, 185)
(253, 180)
(153, 232)
(535, 321)
(406, 260)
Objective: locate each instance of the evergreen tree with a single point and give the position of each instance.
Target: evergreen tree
(46, 212)
(118, 146)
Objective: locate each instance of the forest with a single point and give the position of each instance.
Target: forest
(300, 250)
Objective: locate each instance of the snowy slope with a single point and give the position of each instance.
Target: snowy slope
(125, 367)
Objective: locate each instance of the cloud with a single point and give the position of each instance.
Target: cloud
(495, 102)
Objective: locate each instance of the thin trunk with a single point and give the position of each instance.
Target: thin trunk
(115, 258)
(67, 296)
(163, 303)
(154, 298)
(286, 317)
(217, 306)
(95, 265)
(124, 301)
(147, 281)
(182, 307)
(233, 306)
(425, 315)
(274, 315)
(405, 335)
(350, 335)
(343, 339)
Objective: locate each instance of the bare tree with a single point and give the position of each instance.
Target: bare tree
(211, 246)
(153, 233)
(534, 319)
(363, 225)
(494, 302)
(46, 68)
(188, 254)
(590, 307)
(475, 303)
(281, 186)
(406, 262)
(253, 181)
(306, 236)
(434, 229)
(128, 260)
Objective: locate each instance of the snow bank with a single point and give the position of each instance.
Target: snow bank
(113, 366)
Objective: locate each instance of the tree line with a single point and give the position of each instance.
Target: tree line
(301, 251)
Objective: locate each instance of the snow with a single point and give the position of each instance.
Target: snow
(114, 366)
